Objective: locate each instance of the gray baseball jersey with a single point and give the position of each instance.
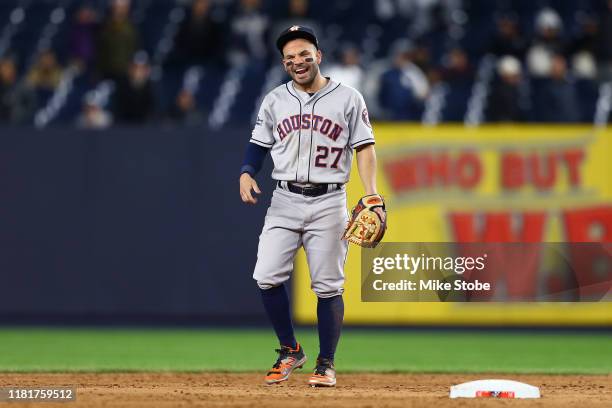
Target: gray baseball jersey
(311, 138)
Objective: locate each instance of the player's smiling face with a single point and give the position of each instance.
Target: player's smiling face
(301, 60)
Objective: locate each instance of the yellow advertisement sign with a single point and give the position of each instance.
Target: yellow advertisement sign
(487, 184)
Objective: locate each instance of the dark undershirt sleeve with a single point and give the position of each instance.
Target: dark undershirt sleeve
(253, 159)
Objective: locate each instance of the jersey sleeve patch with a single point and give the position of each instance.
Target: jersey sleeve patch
(365, 117)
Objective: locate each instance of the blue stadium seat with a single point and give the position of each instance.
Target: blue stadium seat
(74, 102)
(25, 41)
(167, 87)
(151, 27)
(209, 88)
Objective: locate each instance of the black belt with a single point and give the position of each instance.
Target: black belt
(310, 191)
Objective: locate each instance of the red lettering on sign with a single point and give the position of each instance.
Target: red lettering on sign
(512, 170)
(541, 170)
(573, 159)
(589, 225)
(498, 227)
(426, 170)
(401, 174)
(516, 265)
(468, 170)
(437, 170)
(589, 262)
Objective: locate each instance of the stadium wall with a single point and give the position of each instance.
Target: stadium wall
(128, 225)
(145, 225)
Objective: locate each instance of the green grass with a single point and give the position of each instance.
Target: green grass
(28, 350)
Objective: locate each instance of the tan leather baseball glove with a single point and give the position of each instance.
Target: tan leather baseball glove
(367, 227)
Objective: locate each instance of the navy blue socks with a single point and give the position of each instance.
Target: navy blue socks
(276, 304)
(330, 313)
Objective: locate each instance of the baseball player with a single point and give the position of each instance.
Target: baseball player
(311, 126)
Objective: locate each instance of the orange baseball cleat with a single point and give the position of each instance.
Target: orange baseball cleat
(288, 360)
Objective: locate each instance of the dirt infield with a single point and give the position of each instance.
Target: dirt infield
(353, 390)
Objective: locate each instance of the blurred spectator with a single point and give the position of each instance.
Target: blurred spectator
(587, 35)
(46, 73)
(185, 111)
(457, 68)
(558, 101)
(504, 100)
(583, 49)
(425, 17)
(394, 88)
(403, 87)
(546, 43)
(199, 39)
(93, 115)
(458, 73)
(582, 52)
(117, 41)
(508, 39)
(17, 102)
(134, 97)
(393, 17)
(604, 52)
(421, 57)
(249, 34)
(348, 71)
(432, 17)
(298, 13)
(82, 37)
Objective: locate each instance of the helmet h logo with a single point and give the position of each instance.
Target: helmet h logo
(294, 28)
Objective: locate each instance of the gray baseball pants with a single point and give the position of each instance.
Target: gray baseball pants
(317, 224)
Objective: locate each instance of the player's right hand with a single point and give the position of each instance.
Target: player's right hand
(248, 184)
